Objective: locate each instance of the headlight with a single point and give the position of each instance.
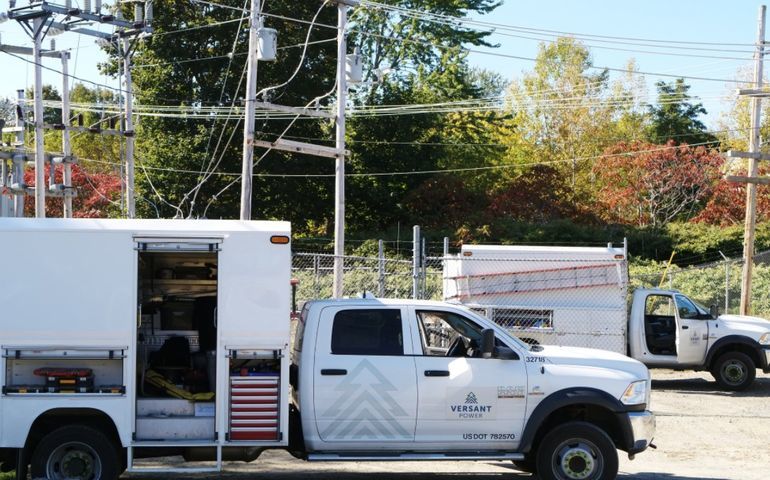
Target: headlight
(635, 394)
(764, 339)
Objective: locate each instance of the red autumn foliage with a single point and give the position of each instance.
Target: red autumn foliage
(647, 184)
(727, 205)
(95, 193)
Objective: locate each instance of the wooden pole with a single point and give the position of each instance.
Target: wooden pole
(751, 188)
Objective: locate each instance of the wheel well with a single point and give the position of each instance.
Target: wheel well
(601, 417)
(60, 417)
(736, 347)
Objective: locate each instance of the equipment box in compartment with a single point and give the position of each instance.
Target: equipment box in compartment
(54, 370)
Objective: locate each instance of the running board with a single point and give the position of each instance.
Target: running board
(405, 457)
(172, 469)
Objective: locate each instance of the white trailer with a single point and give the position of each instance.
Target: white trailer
(545, 295)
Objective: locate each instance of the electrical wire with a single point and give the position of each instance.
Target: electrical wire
(419, 172)
(302, 57)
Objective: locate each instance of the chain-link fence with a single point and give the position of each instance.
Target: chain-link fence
(380, 276)
(717, 283)
(569, 296)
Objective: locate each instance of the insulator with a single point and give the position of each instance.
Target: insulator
(138, 13)
(148, 13)
(86, 5)
(53, 44)
(97, 6)
(267, 46)
(68, 4)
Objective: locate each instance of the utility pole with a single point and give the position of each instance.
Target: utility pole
(65, 134)
(38, 25)
(17, 165)
(128, 105)
(339, 168)
(39, 19)
(251, 110)
(753, 155)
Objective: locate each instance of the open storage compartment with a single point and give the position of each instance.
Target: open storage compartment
(56, 370)
(177, 340)
(255, 395)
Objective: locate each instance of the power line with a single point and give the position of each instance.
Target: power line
(425, 172)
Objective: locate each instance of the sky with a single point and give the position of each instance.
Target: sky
(712, 21)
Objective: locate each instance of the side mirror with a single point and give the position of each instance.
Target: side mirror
(487, 343)
(714, 311)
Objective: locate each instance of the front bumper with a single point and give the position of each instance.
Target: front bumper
(642, 429)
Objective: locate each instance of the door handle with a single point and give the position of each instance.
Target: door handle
(685, 327)
(436, 373)
(333, 371)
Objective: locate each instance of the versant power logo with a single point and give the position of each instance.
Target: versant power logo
(470, 408)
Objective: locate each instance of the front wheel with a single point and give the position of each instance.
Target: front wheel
(734, 371)
(577, 451)
(75, 452)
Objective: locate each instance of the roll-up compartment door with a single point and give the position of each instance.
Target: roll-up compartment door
(182, 244)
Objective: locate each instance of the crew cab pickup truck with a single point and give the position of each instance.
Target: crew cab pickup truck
(156, 338)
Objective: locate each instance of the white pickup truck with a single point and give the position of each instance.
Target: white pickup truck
(577, 296)
(123, 340)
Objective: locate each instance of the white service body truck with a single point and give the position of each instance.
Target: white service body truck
(578, 296)
(126, 339)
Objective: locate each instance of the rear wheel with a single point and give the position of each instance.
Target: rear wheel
(75, 452)
(577, 451)
(734, 371)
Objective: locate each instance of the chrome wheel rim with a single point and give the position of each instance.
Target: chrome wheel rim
(734, 372)
(73, 460)
(577, 459)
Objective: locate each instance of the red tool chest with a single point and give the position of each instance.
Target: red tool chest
(255, 407)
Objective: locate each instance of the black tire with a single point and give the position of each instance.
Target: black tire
(75, 452)
(577, 451)
(527, 465)
(734, 371)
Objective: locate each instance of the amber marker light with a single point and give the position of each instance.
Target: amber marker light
(279, 239)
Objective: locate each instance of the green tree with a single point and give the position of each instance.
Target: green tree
(292, 187)
(676, 116)
(563, 114)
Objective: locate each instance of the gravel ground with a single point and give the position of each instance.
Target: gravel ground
(703, 433)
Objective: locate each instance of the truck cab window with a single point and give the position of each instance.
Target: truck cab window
(447, 334)
(686, 308)
(368, 332)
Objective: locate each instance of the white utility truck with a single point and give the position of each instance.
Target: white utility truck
(124, 339)
(578, 296)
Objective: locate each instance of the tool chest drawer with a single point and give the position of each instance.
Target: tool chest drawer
(254, 407)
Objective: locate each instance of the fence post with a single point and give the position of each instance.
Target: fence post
(424, 270)
(381, 270)
(727, 280)
(416, 262)
(316, 273)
